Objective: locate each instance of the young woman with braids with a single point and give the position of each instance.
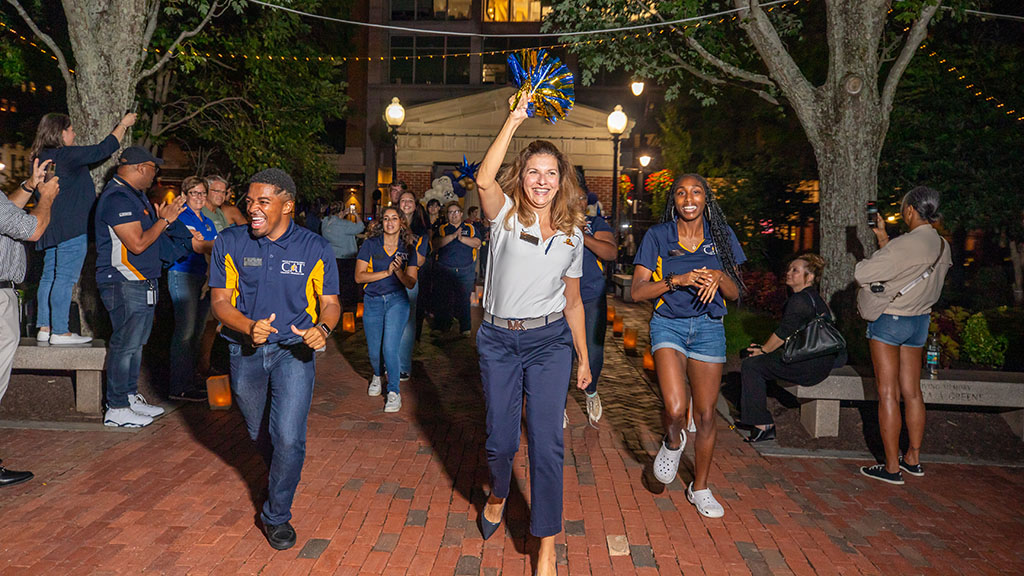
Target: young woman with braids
(388, 265)
(689, 264)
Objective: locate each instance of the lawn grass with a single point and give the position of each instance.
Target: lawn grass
(745, 325)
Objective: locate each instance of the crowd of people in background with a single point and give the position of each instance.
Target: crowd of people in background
(276, 286)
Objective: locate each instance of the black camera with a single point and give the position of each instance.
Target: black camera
(877, 287)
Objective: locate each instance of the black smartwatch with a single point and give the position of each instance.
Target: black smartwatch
(327, 329)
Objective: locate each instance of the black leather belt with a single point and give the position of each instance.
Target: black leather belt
(6, 284)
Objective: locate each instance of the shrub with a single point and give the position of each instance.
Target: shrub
(764, 291)
(980, 346)
(949, 325)
(1007, 321)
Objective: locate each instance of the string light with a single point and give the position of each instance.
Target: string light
(969, 85)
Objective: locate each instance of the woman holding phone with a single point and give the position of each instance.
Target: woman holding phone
(387, 265)
(64, 242)
(689, 264)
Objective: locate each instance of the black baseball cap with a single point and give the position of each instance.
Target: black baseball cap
(137, 155)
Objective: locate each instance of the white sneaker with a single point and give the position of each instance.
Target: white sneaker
(565, 419)
(374, 389)
(705, 502)
(594, 410)
(43, 336)
(140, 406)
(68, 339)
(394, 403)
(690, 426)
(125, 418)
(666, 464)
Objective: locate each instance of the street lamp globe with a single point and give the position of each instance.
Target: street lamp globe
(637, 87)
(617, 121)
(645, 160)
(394, 114)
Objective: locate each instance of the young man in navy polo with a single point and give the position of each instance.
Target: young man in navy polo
(128, 268)
(267, 281)
(456, 243)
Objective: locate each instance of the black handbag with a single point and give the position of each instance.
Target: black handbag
(817, 338)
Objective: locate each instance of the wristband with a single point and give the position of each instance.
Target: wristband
(165, 220)
(668, 282)
(26, 188)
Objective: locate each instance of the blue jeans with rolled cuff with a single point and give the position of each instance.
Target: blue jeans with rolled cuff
(384, 321)
(273, 388)
(534, 365)
(131, 322)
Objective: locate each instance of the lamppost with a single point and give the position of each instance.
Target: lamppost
(617, 121)
(394, 115)
(644, 160)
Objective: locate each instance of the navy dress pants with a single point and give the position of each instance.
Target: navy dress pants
(534, 365)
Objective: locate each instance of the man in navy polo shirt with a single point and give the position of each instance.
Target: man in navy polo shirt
(128, 267)
(456, 243)
(599, 244)
(267, 280)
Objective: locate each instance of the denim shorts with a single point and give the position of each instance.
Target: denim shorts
(698, 337)
(911, 331)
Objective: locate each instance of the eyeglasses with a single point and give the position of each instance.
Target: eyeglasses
(455, 212)
(156, 169)
(219, 190)
(196, 193)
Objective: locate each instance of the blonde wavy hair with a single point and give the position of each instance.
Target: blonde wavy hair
(565, 209)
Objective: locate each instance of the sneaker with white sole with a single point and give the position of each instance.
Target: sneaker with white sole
(666, 464)
(68, 339)
(374, 389)
(140, 406)
(394, 403)
(594, 410)
(43, 336)
(705, 502)
(912, 469)
(878, 472)
(125, 418)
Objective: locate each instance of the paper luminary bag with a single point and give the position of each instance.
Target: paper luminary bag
(545, 81)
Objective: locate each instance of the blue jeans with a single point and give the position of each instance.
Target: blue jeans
(596, 317)
(131, 321)
(409, 334)
(536, 364)
(189, 320)
(284, 373)
(62, 265)
(453, 287)
(384, 321)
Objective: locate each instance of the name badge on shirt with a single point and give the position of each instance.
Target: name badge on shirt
(529, 238)
(251, 261)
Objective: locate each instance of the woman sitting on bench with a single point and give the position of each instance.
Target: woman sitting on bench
(765, 363)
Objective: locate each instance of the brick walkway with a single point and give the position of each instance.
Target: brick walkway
(400, 493)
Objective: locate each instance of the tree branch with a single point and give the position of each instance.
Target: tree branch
(151, 20)
(724, 66)
(185, 35)
(914, 38)
(716, 81)
(62, 62)
(196, 112)
(784, 70)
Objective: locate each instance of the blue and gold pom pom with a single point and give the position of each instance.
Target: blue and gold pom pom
(545, 81)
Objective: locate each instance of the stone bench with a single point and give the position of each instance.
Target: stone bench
(819, 405)
(86, 361)
(623, 286)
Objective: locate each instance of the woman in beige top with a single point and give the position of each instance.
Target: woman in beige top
(897, 338)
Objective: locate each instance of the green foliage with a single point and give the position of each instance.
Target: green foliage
(948, 325)
(744, 325)
(12, 65)
(271, 112)
(980, 346)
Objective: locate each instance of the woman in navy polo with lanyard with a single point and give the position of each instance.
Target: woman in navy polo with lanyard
(387, 265)
(689, 265)
(456, 243)
(533, 320)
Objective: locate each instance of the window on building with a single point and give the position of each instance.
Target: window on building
(430, 9)
(516, 10)
(429, 60)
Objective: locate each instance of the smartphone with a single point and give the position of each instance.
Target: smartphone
(135, 107)
(351, 208)
(872, 213)
(51, 170)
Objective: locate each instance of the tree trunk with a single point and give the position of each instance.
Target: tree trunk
(107, 41)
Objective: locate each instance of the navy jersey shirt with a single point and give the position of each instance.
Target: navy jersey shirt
(282, 277)
(377, 259)
(661, 253)
(120, 203)
(77, 190)
(195, 263)
(456, 254)
(592, 283)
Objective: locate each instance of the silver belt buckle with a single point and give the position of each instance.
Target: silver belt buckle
(516, 325)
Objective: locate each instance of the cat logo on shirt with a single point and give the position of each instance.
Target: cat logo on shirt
(709, 249)
(292, 267)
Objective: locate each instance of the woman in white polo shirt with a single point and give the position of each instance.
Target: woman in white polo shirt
(533, 319)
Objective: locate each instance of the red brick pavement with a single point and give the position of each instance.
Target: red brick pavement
(399, 494)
